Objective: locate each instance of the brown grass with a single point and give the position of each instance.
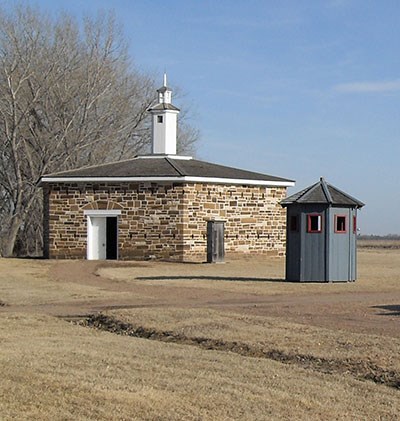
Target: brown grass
(268, 333)
(52, 369)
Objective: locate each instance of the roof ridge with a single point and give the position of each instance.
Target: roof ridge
(326, 191)
(175, 166)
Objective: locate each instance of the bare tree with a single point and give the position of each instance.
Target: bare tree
(69, 97)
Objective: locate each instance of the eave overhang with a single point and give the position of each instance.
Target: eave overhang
(183, 179)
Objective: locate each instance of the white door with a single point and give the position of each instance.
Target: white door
(97, 238)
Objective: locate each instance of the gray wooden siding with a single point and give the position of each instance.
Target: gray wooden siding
(313, 247)
(339, 247)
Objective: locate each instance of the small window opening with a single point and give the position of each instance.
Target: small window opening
(354, 224)
(159, 119)
(340, 223)
(294, 223)
(314, 223)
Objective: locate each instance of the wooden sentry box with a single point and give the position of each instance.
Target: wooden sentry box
(321, 234)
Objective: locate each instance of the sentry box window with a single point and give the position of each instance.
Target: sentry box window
(294, 223)
(314, 223)
(340, 224)
(159, 119)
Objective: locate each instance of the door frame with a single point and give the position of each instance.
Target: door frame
(98, 213)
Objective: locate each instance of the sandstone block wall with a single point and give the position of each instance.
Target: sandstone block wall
(255, 221)
(165, 221)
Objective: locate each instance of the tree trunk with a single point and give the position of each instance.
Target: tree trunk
(9, 242)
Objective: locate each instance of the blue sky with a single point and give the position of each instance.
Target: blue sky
(298, 89)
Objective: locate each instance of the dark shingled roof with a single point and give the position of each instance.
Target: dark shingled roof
(165, 166)
(163, 106)
(324, 193)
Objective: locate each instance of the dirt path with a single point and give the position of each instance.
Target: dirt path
(357, 311)
(158, 285)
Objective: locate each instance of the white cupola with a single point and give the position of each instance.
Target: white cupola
(164, 125)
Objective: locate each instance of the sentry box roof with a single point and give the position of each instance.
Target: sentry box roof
(322, 193)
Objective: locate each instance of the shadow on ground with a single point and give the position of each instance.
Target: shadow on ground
(208, 278)
(390, 310)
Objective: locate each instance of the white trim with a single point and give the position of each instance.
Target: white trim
(171, 179)
(239, 181)
(102, 212)
(162, 156)
(163, 111)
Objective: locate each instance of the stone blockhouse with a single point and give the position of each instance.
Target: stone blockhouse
(158, 206)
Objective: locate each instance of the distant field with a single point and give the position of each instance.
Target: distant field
(164, 341)
(379, 243)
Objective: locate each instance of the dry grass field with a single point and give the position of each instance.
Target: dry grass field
(86, 340)
(381, 243)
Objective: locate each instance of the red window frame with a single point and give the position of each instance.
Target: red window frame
(340, 230)
(309, 225)
(354, 224)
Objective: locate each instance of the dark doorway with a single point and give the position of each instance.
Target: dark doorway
(112, 238)
(215, 241)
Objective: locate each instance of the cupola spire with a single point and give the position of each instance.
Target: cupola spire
(164, 127)
(164, 93)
